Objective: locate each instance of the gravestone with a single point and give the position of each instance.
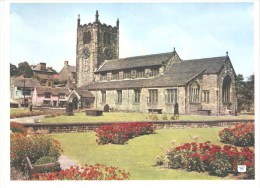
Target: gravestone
(106, 108)
(69, 109)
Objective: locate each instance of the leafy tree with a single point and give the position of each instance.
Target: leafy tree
(14, 70)
(25, 69)
(245, 93)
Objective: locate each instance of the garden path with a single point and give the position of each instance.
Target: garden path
(31, 119)
(65, 162)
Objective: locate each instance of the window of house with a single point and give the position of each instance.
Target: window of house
(26, 92)
(62, 95)
(103, 76)
(46, 102)
(154, 72)
(127, 75)
(115, 75)
(47, 95)
(153, 96)
(171, 96)
(107, 38)
(103, 93)
(205, 96)
(137, 96)
(119, 96)
(140, 73)
(194, 92)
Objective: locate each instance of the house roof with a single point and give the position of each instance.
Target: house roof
(27, 82)
(47, 70)
(134, 62)
(72, 68)
(177, 75)
(53, 91)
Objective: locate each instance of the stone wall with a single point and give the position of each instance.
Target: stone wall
(128, 100)
(85, 127)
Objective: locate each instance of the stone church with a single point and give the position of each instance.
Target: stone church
(150, 83)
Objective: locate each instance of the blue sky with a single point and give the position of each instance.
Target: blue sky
(47, 32)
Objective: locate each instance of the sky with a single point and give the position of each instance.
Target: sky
(47, 32)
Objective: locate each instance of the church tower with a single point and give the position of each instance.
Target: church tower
(96, 43)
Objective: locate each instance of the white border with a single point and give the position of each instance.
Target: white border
(4, 109)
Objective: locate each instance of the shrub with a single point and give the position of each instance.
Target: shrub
(33, 147)
(153, 117)
(18, 128)
(121, 133)
(175, 117)
(86, 172)
(242, 135)
(214, 159)
(165, 117)
(47, 164)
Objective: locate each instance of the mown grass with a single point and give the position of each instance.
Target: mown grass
(138, 156)
(18, 110)
(119, 117)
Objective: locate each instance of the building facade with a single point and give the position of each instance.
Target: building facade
(151, 83)
(21, 90)
(68, 72)
(51, 97)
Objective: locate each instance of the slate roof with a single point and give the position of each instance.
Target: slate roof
(84, 93)
(134, 62)
(178, 74)
(53, 91)
(47, 70)
(29, 82)
(72, 68)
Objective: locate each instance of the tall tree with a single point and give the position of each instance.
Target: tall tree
(25, 69)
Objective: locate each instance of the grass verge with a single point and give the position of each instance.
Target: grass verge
(119, 117)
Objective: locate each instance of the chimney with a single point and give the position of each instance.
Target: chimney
(66, 63)
(43, 66)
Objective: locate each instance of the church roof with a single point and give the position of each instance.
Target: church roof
(134, 62)
(178, 74)
(84, 93)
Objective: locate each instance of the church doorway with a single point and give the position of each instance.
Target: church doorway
(75, 103)
(226, 89)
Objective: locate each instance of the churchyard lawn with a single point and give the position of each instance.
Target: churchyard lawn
(138, 155)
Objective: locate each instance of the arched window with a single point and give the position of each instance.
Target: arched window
(107, 38)
(194, 92)
(226, 89)
(86, 37)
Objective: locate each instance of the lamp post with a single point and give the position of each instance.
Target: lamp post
(24, 93)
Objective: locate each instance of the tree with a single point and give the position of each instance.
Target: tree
(25, 69)
(14, 70)
(245, 93)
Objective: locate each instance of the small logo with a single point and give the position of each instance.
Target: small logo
(241, 168)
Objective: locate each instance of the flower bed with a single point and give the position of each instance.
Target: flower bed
(33, 147)
(121, 133)
(86, 172)
(18, 128)
(242, 135)
(207, 157)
